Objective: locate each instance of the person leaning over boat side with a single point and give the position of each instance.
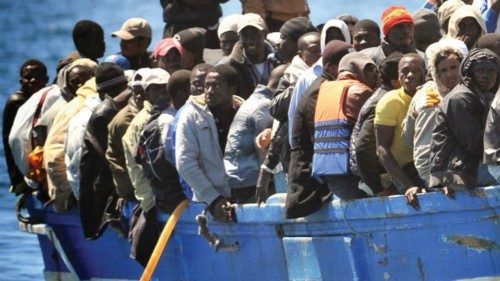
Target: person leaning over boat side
(32, 77)
(201, 136)
(457, 139)
(399, 30)
(135, 37)
(167, 55)
(250, 55)
(427, 28)
(390, 112)
(491, 158)
(242, 158)
(467, 25)
(363, 147)
(444, 60)
(197, 78)
(305, 194)
(155, 86)
(337, 110)
(365, 34)
(98, 200)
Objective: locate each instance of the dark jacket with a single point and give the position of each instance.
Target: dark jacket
(198, 13)
(377, 54)
(97, 190)
(306, 195)
(9, 113)
(457, 139)
(247, 77)
(364, 160)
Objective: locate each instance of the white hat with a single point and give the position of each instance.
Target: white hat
(251, 19)
(156, 76)
(229, 23)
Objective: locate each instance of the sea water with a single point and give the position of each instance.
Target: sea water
(41, 29)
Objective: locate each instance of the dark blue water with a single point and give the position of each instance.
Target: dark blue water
(41, 29)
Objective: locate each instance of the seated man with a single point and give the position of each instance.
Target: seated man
(390, 112)
(201, 136)
(457, 140)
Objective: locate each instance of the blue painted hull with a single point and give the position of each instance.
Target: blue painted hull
(368, 239)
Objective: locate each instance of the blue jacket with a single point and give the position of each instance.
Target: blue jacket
(242, 159)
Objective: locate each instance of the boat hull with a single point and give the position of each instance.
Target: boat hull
(367, 239)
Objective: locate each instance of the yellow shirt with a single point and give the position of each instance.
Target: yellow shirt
(391, 111)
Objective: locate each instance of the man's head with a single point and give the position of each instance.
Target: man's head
(365, 34)
(479, 71)
(443, 60)
(197, 78)
(178, 87)
(77, 76)
(252, 32)
(309, 48)
(446, 10)
(155, 85)
(138, 92)
(427, 28)
(389, 74)
(220, 86)
(33, 76)
(88, 37)
(412, 72)
(360, 67)
(110, 79)
(228, 33)
(334, 30)
(168, 55)
(334, 51)
(467, 25)
(290, 32)
(135, 37)
(397, 26)
(490, 41)
(350, 21)
(193, 43)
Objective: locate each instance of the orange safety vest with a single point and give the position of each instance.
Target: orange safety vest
(331, 131)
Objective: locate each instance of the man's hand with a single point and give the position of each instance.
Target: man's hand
(223, 211)
(448, 191)
(411, 196)
(263, 139)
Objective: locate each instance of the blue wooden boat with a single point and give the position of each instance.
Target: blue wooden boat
(367, 239)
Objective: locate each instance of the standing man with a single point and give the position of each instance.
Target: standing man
(135, 37)
(33, 77)
(201, 136)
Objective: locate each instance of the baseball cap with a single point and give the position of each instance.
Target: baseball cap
(164, 46)
(118, 59)
(155, 76)
(132, 28)
(251, 19)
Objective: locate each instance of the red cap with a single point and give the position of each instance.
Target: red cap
(394, 15)
(164, 46)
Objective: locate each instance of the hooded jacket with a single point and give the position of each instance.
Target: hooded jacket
(465, 11)
(457, 140)
(198, 155)
(340, 25)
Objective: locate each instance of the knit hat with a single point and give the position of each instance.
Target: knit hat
(229, 23)
(108, 75)
(394, 15)
(164, 46)
(297, 27)
(335, 50)
(192, 39)
(118, 59)
(426, 23)
(447, 9)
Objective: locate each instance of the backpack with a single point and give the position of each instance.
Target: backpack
(161, 174)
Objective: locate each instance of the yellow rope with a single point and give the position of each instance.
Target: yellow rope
(162, 242)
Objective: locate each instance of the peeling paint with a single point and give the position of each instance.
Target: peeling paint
(476, 243)
(383, 262)
(393, 215)
(379, 249)
(387, 276)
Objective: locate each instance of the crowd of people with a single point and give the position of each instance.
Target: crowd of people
(347, 109)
